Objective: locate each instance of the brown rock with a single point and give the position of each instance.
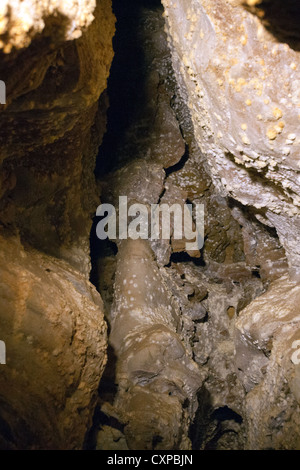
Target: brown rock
(52, 324)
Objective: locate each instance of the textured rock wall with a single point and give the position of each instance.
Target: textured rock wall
(52, 324)
(156, 376)
(48, 137)
(203, 344)
(172, 313)
(54, 59)
(267, 350)
(237, 65)
(242, 86)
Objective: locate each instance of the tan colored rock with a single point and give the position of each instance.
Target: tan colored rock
(52, 323)
(22, 20)
(154, 371)
(267, 351)
(55, 58)
(263, 251)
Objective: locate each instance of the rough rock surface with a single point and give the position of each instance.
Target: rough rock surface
(54, 59)
(157, 378)
(171, 315)
(237, 66)
(52, 324)
(267, 358)
(51, 128)
(242, 86)
(204, 345)
(229, 300)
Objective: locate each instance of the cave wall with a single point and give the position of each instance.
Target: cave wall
(242, 85)
(237, 65)
(54, 59)
(171, 312)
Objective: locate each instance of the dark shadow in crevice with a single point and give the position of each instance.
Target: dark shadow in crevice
(127, 97)
(281, 19)
(179, 165)
(183, 257)
(211, 424)
(226, 414)
(199, 428)
(99, 249)
(107, 391)
(249, 213)
(126, 83)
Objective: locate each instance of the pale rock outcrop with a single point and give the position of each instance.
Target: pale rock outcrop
(157, 378)
(241, 82)
(267, 361)
(52, 125)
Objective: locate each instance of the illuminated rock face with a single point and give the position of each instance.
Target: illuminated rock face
(155, 372)
(204, 346)
(238, 68)
(241, 83)
(55, 335)
(52, 125)
(267, 359)
(54, 60)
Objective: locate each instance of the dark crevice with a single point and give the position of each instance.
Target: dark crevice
(126, 83)
(225, 414)
(281, 19)
(183, 257)
(127, 98)
(178, 166)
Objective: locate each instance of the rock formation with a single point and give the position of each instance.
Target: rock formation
(237, 64)
(241, 85)
(171, 348)
(54, 60)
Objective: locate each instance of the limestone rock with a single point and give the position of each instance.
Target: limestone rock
(48, 138)
(21, 21)
(54, 59)
(53, 326)
(241, 82)
(266, 359)
(155, 372)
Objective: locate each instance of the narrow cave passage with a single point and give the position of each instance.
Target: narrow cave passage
(185, 301)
